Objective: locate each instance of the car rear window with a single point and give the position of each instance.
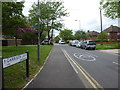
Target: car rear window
(92, 42)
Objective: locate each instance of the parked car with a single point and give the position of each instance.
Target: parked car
(45, 42)
(74, 43)
(78, 45)
(61, 42)
(88, 44)
(70, 42)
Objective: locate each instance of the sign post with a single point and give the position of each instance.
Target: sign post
(27, 65)
(1, 74)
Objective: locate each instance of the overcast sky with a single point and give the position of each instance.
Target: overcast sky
(86, 12)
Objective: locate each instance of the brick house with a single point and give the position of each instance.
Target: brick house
(93, 34)
(113, 32)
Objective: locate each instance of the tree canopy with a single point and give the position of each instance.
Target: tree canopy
(66, 35)
(111, 8)
(103, 36)
(81, 35)
(12, 17)
(51, 14)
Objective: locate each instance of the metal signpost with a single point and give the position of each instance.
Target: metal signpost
(38, 30)
(6, 62)
(1, 73)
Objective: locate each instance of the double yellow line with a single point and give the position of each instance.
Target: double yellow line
(90, 79)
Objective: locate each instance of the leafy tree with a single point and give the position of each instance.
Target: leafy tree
(81, 35)
(28, 34)
(103, 36)
(12, 18)
(66, 35)
(111, 8)
(56, 39)
(51, 12)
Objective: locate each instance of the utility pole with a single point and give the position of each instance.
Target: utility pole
(101, 25)
(38, 30)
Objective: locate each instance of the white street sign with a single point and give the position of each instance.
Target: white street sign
(13, 60)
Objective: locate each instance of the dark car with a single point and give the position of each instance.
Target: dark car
(88, 44)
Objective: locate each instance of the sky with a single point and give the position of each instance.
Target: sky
(83, 14)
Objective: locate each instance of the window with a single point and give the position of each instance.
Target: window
(118, 33)
(118, 39)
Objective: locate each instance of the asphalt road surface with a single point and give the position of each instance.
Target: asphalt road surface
(71, 67)
(57, 73)
(101, 68)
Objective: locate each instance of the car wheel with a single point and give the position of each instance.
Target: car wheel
(85, 48)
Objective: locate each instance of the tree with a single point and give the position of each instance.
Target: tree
(111, 8)
(103, 36)
(51, 12)
(81, 35)
(27, 34)
(56, 39)
(12, 18)
(66, 34)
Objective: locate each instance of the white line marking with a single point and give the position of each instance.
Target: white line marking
(92, 54)
(69, 61)
(82, 57)
(37, 73)
(116, 63)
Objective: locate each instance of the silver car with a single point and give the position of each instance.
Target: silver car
(88, 44)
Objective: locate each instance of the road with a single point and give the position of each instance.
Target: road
(71, 67)
(101, 68)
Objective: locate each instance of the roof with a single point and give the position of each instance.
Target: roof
(112, 29)
(93, 33)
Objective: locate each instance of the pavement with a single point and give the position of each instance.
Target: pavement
(57, 73)
(111, 51)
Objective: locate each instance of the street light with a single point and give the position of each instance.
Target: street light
(79, 24)
(38, 30)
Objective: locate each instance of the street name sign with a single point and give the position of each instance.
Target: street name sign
(14, 59)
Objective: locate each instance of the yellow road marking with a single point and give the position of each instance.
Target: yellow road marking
(82, 70)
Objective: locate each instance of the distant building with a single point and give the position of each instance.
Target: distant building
(93, 34)
(113, 32)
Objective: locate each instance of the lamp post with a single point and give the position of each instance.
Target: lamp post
(79, 24)
(38, 30)
(101, 23)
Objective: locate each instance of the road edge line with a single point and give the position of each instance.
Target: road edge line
(85, 73)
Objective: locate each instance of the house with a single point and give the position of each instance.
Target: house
(93, 34)
(113, 32)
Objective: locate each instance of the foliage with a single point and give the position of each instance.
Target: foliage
(56, 39)
(66, 35)
(81, 35)
(12, 17)
(103, 36)
(51, 13)
(111, 8)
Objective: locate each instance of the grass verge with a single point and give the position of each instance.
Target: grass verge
(14, 76)
(108, 46)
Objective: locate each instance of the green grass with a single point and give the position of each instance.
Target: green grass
(108, 46)
(14, 76)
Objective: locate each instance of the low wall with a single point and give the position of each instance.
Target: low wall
(10, 42)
